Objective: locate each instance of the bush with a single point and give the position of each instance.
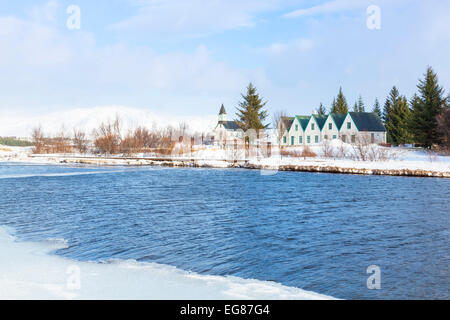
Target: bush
(13, 142)
(306, 153)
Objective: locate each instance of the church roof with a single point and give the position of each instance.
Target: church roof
(230, 125)
(222, 110)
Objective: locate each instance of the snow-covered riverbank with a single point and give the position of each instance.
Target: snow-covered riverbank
(30, 271)
(404, 162)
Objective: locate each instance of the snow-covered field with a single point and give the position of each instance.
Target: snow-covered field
(30, 271)
(397, 159)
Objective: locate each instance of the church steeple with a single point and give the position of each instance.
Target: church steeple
(222, 114)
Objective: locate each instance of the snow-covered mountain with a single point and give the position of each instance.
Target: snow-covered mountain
(89, 118)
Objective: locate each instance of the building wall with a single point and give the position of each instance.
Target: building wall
(371, 137)
(312, 131)
(346, 134)
(327, 133)
(296, 132)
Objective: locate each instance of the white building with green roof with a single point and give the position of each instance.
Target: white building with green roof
(350, 128)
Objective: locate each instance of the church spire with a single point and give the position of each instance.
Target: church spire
(222, 114)
(222, 110)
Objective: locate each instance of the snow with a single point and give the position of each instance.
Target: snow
(213, 156)
(88, 119)
(29, 271)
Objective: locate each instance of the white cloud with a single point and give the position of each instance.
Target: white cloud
(298, 45)
(44, 65)
(47, 12)
(330, 7)
(336, 6)
(195, 17)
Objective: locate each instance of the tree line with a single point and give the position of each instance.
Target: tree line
(424, 119)
(109, 138)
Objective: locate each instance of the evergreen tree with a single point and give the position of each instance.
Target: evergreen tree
(340, 104)
(321, 111)
(334, 106)
(361, 106)
(377, 109)
(427, 105)
(443, 127)
(398, 117)
(355, 107)
(250, 111)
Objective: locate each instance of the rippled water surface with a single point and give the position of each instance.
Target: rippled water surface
(318, 232)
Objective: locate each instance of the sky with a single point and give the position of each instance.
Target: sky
(187, 57)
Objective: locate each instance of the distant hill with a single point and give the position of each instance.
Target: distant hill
(89, 118)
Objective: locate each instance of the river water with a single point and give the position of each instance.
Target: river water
(318, 232)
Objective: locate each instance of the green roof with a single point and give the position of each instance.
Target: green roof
(304, 120)
(320, 120)
(338, 119)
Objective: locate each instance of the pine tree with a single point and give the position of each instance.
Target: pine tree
(250, 111)
(321, 111)
(397, 118)
(443, 127)
(340, 104)
(334, 106)
(376, 108)
(355, 107)
(361, 106)
(427, 105)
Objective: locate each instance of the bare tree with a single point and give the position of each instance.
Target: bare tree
(365, 150)
(80, 141)
(278, 125)
(38, 140)
(183, 127)
(327, 150)
(61, 142)
(108, 137)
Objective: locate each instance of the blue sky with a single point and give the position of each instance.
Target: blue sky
(187, 57)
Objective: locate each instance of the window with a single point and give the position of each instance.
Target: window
(372, 138)
(300, 139)
(312, 126)
(284, 140)
(316, 139)
(353, 138)
(344, 138)
(292, 140)
(308, 139)
(349, 125)
(296, 127)
(334, 137)
(330, 126)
